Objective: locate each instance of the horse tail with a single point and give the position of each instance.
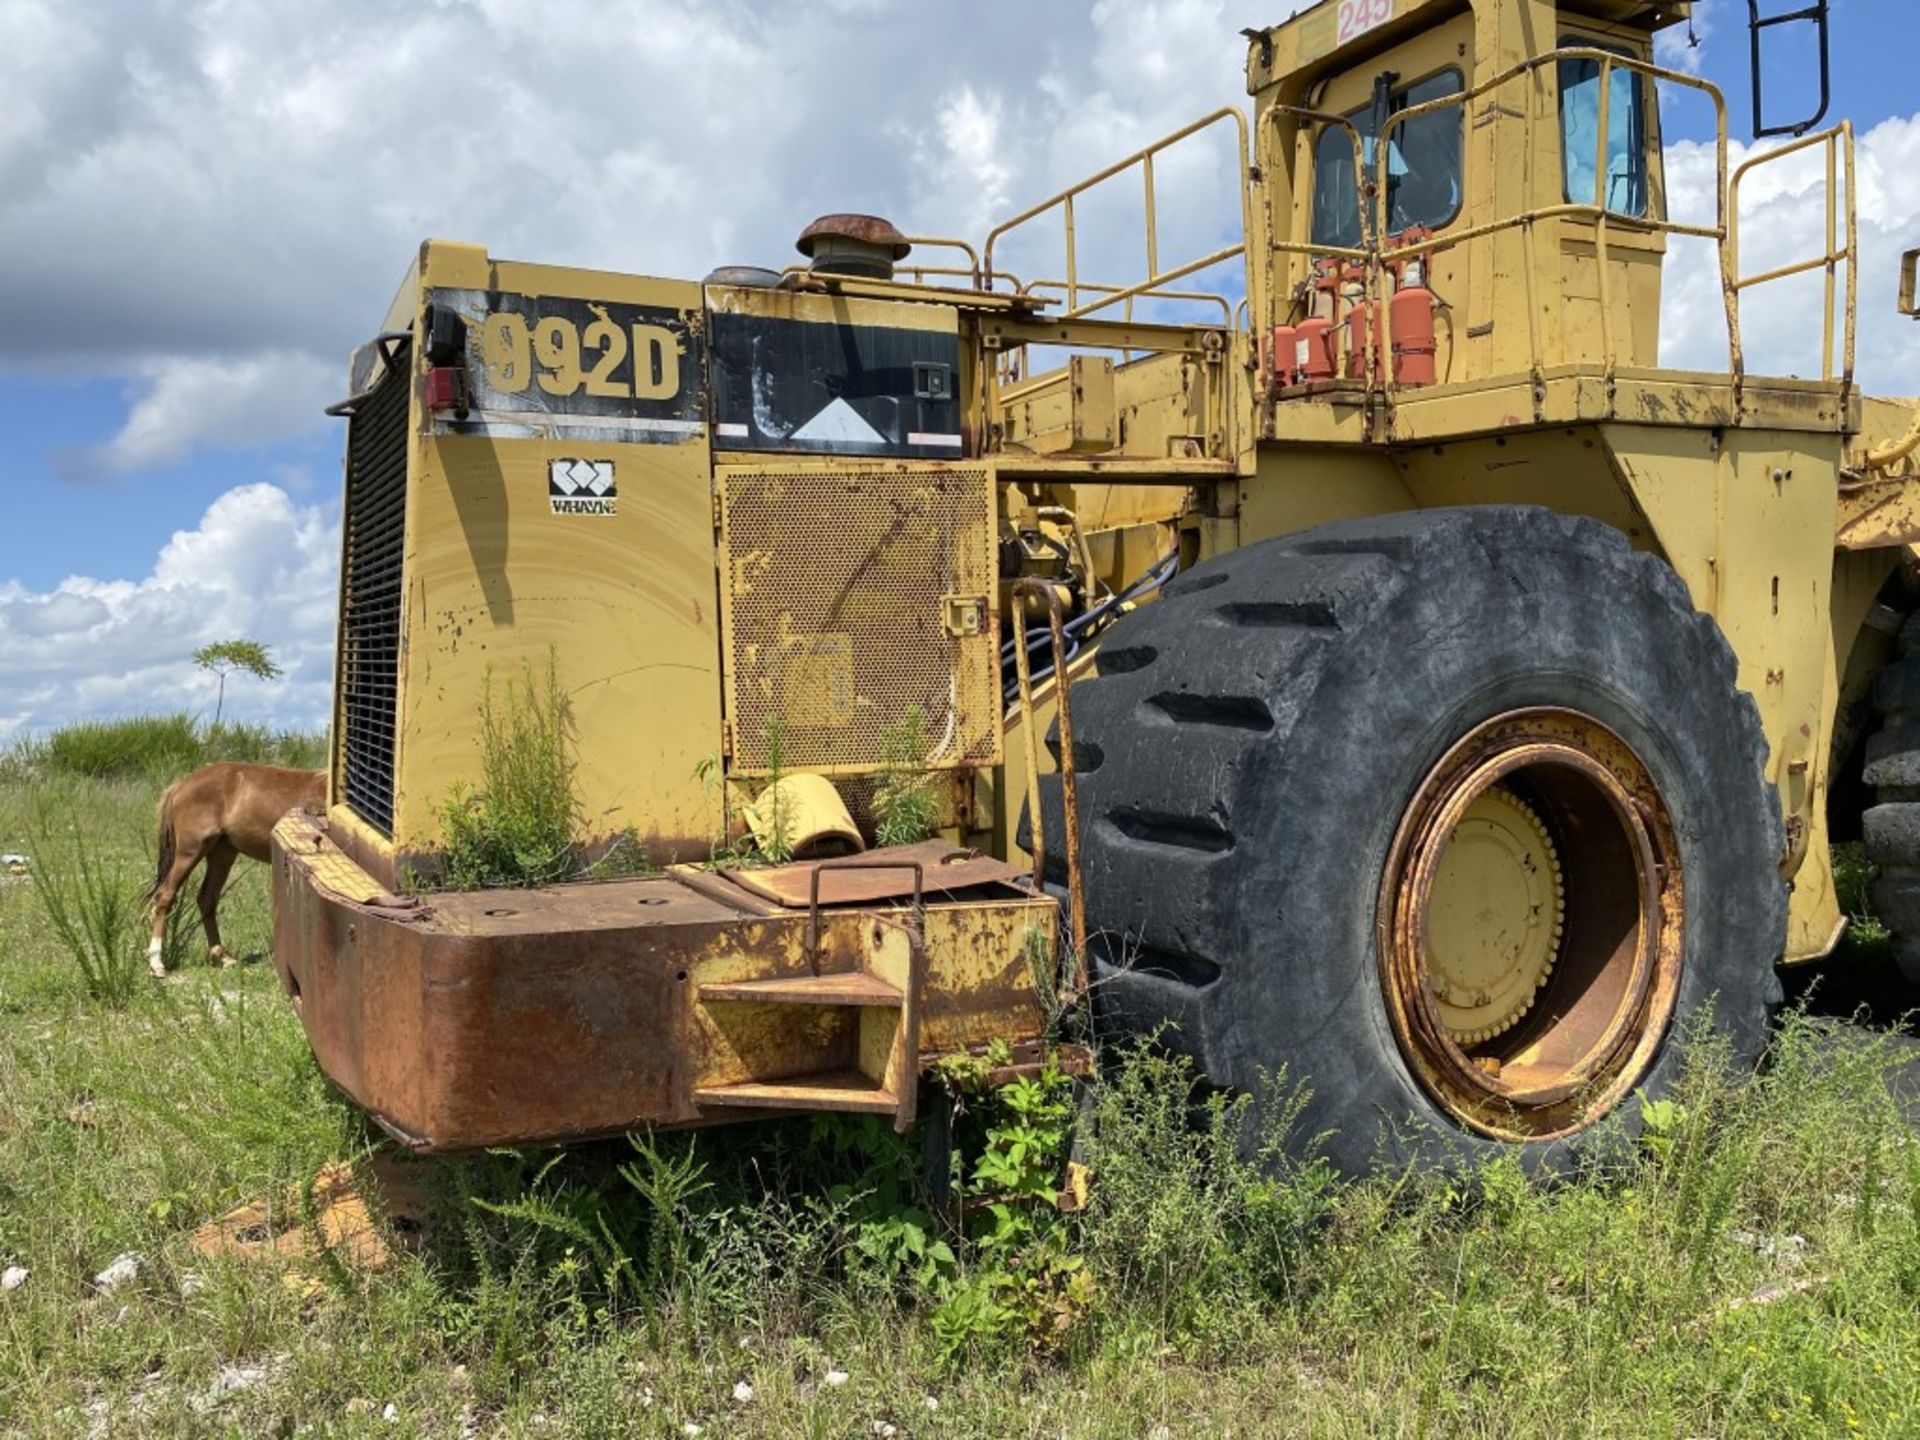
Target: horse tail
(165, 844)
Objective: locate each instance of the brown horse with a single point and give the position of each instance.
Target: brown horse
(216, 814)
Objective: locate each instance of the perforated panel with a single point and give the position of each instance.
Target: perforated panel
(841, 592)
(375, 522)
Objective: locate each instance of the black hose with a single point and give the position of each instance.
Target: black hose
(1040, 637)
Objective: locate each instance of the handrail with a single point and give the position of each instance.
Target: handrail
(1829, 260)
(1197, 297)
(945, 243)
(1157, 279)
(1527, 220)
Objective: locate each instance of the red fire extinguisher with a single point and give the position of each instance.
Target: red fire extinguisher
(1360, 323)
(1281, 363)
(1313, 339)
(1411, 313)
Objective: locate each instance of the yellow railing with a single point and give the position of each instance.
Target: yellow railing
(1838, 143)
(1157, 278)
(1528, 220)
(1379, 250)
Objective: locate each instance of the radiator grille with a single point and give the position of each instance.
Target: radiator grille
(839, 588)
(375, 522)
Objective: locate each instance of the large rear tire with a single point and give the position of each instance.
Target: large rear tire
(1891, 827)
(1455, 817)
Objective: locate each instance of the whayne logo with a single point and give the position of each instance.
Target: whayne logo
(581, 487)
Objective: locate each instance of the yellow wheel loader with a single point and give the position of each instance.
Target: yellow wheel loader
(1343, 652)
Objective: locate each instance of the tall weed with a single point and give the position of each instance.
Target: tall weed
(521, 825)
(904, 804)
(92, 899)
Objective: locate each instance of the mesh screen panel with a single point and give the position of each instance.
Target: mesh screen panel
(837, 606)
(375, 520)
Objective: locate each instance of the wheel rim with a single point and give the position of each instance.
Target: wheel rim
(1530, 925)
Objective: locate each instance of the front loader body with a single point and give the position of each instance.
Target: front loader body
(755, 524)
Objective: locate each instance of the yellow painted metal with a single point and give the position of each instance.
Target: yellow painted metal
(722, 595)
(803, 816)
(1836, 141)
(978, 986)
(495, 584)
(835, 585)
(1494, 917)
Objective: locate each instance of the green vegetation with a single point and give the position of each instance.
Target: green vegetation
(153, 748)
(1751, 1267)
(224, 657)
(767, 838)
(521, 826)
(1853, 877)
(92, 898)
(904, 805)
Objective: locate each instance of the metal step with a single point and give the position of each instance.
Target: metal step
(836, 1090)
(856, 987)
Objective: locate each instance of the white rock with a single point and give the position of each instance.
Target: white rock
(690, 1430)
(932, 1403)
(883, 1429)
(391, 1414)
(233, 1379)
(742, 1392)
(835, 1378)
(191, 1284)
(123, 1271)
(13, 1277)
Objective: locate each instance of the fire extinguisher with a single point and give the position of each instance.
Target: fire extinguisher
(1360, 323)
(1411, 312)
(1313, 338)
(1281, 362)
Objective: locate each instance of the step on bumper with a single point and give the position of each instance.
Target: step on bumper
(510, 1017)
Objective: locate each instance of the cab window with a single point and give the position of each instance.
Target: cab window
(1626, 176)
(1423, 165)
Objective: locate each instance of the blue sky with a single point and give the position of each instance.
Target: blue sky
(203, 205)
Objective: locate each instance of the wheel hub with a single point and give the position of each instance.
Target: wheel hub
(1494, 917)
(1530, 925)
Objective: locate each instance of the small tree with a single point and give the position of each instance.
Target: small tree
(223, 657)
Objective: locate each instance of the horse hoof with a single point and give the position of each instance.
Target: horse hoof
(219, 953)
(159, 971)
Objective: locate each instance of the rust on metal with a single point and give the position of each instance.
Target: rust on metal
(1604, 1011)
(865, 229)
(1069, 792)
(839, 1090)
(557, 1014)
(1878, 513)
(886, 874)
(855, 987)
(880, 860)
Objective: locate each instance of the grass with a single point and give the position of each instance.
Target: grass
(520, 825)
(1752, 1269)
(153, 747)
(905, 807)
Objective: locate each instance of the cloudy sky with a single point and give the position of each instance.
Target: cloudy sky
(204, 204)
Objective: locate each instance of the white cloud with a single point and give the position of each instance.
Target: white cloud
(1678, 47)
(212, 200)
(1782, 221)
(186, 402)
(256, 565)
(217, 181)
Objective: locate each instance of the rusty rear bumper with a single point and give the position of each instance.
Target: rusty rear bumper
(534, 1016)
